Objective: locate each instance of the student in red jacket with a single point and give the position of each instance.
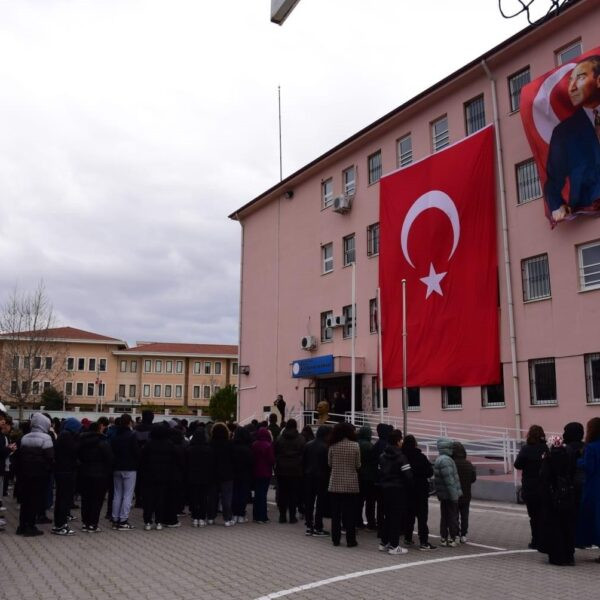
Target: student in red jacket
(264, 459)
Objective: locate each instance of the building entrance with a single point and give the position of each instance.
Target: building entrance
(337, 391)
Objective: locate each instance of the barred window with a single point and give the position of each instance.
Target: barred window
(440, 133)
(592, 378)
(451, 397)
(326, 332)
(536, 278)
(589, 266)
(493, 395)
(374, 163)
(515, 85)
(542, 381)
(528, 181)
(404, 151)
(327, 192)
(373, 239)
(474, 115)
(413, 401)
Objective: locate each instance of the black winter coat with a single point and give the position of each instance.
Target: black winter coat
(159, 459)
(529, 460)
(200, 461)
(289, 449)
(126, 450)
(315, 463)
(66, 448)
(243, 461)
(222, 453)
(422, 471)
(95, 455)
(394, 469)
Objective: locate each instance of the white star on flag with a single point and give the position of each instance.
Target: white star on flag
(432, 281)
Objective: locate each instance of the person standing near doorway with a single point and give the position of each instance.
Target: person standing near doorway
(279, 404)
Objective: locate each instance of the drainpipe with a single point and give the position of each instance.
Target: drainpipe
(239, 357)
(509, 293)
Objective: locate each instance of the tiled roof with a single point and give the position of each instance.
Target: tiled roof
(175, 348)
(68, 333)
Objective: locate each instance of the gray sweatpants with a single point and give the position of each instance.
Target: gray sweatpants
(124, 482)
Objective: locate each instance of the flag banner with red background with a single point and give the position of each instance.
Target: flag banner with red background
(557, 110)
(438, 231)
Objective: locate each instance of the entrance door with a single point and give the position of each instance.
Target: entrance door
(337, 391)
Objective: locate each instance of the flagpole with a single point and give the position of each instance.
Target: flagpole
(404, 378)
(353, 383)
(380, 382)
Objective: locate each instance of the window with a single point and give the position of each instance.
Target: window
(589, 266)
(207, 368)
(134, 366)
(326, 332)
(81, 364)
(90, 389)
(440, 134)
(374, 167)
(592, 378)
(217, 388)
(91, 364)
(413, 400)
(349, 181)
(147, 366)
(157, 391)
(24, 387)
(528, 181)
(70, 364)
(217, 367)
(47, 385)
(123, 366)
(132, 391)
(48, 363)
(373, 315)
(158, 366)
(375, 393)
(536, 278)
(404, 151)
(101, 389)
(542, 381)
(37, 362)
(373, 239)
(349, 250)
(327, 258)
(168, 391)
(15, 363)
(146, 390)
(13, 387)
(169, 366)
(515, 84)
(327, 192)
(122, 390)
(196, 391)
(35, 387)
(102, 365)
(79, 388)
(474, 115)
(493, 395)
(178, 391)
(348, 321)
(26, 362)
(568, 53)
(207, 392)
(69, 388)
(234, 368)
(197, 367)
(451, 397)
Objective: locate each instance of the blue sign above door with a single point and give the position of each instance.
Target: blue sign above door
(309, 367)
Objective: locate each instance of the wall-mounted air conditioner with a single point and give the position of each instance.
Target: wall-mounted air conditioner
(342, 204)
(334, 321)
(308, 342)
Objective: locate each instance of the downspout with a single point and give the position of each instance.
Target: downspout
(507, 270)
(239, 357)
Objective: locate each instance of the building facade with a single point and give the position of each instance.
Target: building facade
(301, 238)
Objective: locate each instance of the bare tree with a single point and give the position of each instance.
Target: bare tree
(29, 359)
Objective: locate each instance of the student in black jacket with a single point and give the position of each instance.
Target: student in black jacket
(175, 501)
(242, 473)
(221, 486)
(199, 475)
(316, 478)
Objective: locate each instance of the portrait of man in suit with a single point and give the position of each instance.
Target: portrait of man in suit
(574, 152)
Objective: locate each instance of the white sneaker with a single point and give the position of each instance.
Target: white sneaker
(210, 522)
(383, 547)
(463, 539)
(195, 522)
(159, 526)
(201, 523)
(398, 550)
(147, 526)
(242, 520)
(229, 523)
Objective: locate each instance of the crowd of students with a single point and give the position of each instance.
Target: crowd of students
(340, 473)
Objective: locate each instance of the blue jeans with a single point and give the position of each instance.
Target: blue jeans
(124, 482)
(261, 487)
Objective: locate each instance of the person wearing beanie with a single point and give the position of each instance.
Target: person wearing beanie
(65, 467)
(34, 463)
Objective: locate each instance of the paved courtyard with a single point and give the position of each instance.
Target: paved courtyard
(278, 561)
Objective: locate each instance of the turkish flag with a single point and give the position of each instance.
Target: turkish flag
(438, 231)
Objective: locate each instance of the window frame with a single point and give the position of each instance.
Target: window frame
(326, 259)
(439, 141)
(404, 158)
(147, 365)
(206, 395)
(92, 362)
(495, 388)
(178, 366)
(102, 365)
(533, 382)
(373, 239)
(581, 267)
(146, 390)
(158, 365)
(326, 332)
(133, 366)
(132, 390)
(592, 385)
(80, 363)
(526, 278)
(122, 366)
(68, 388)
(46, 359)
(178, 391)
(534, 184)
(348, 252)
(349, 183)
(234, 368)
(471, 121)
(373, 315)
(90, 389)
(514, 96)
(208, 367)
(414, 407)
(218, 367)
(157, 391)
(559, 54)
(374, 167)
(327, 192)
(446, 391)
(197, 367)
(348, 328)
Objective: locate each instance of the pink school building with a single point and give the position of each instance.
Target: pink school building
(300, 237)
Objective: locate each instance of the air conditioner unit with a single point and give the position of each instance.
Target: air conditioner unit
(342, 204)
(330, 322)
(340, 321)
(308, 342)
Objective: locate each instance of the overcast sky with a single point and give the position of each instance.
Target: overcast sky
(130, 129)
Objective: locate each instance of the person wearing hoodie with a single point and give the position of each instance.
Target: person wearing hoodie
(242, 473)
(34, 463)
(448, 490)
(367, 476)
(573, 438)
(263, 459)
(316, 479)
(395, 479)
(383, 431)
(95, 469)
(175, 501)
(289, 448)
(142, 433)
(221, 486)
(65, 469)
(417, 508)
(467, 477)
(199, 475)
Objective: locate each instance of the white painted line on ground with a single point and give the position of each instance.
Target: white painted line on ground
(500, 512)
(356, 574)
(500, 506)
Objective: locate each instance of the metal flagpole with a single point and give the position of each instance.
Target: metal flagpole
(404, 378)
(380, 382)
(280, 153)
(353, 383)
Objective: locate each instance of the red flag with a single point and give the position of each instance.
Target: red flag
(559, 125)
(437, 224)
